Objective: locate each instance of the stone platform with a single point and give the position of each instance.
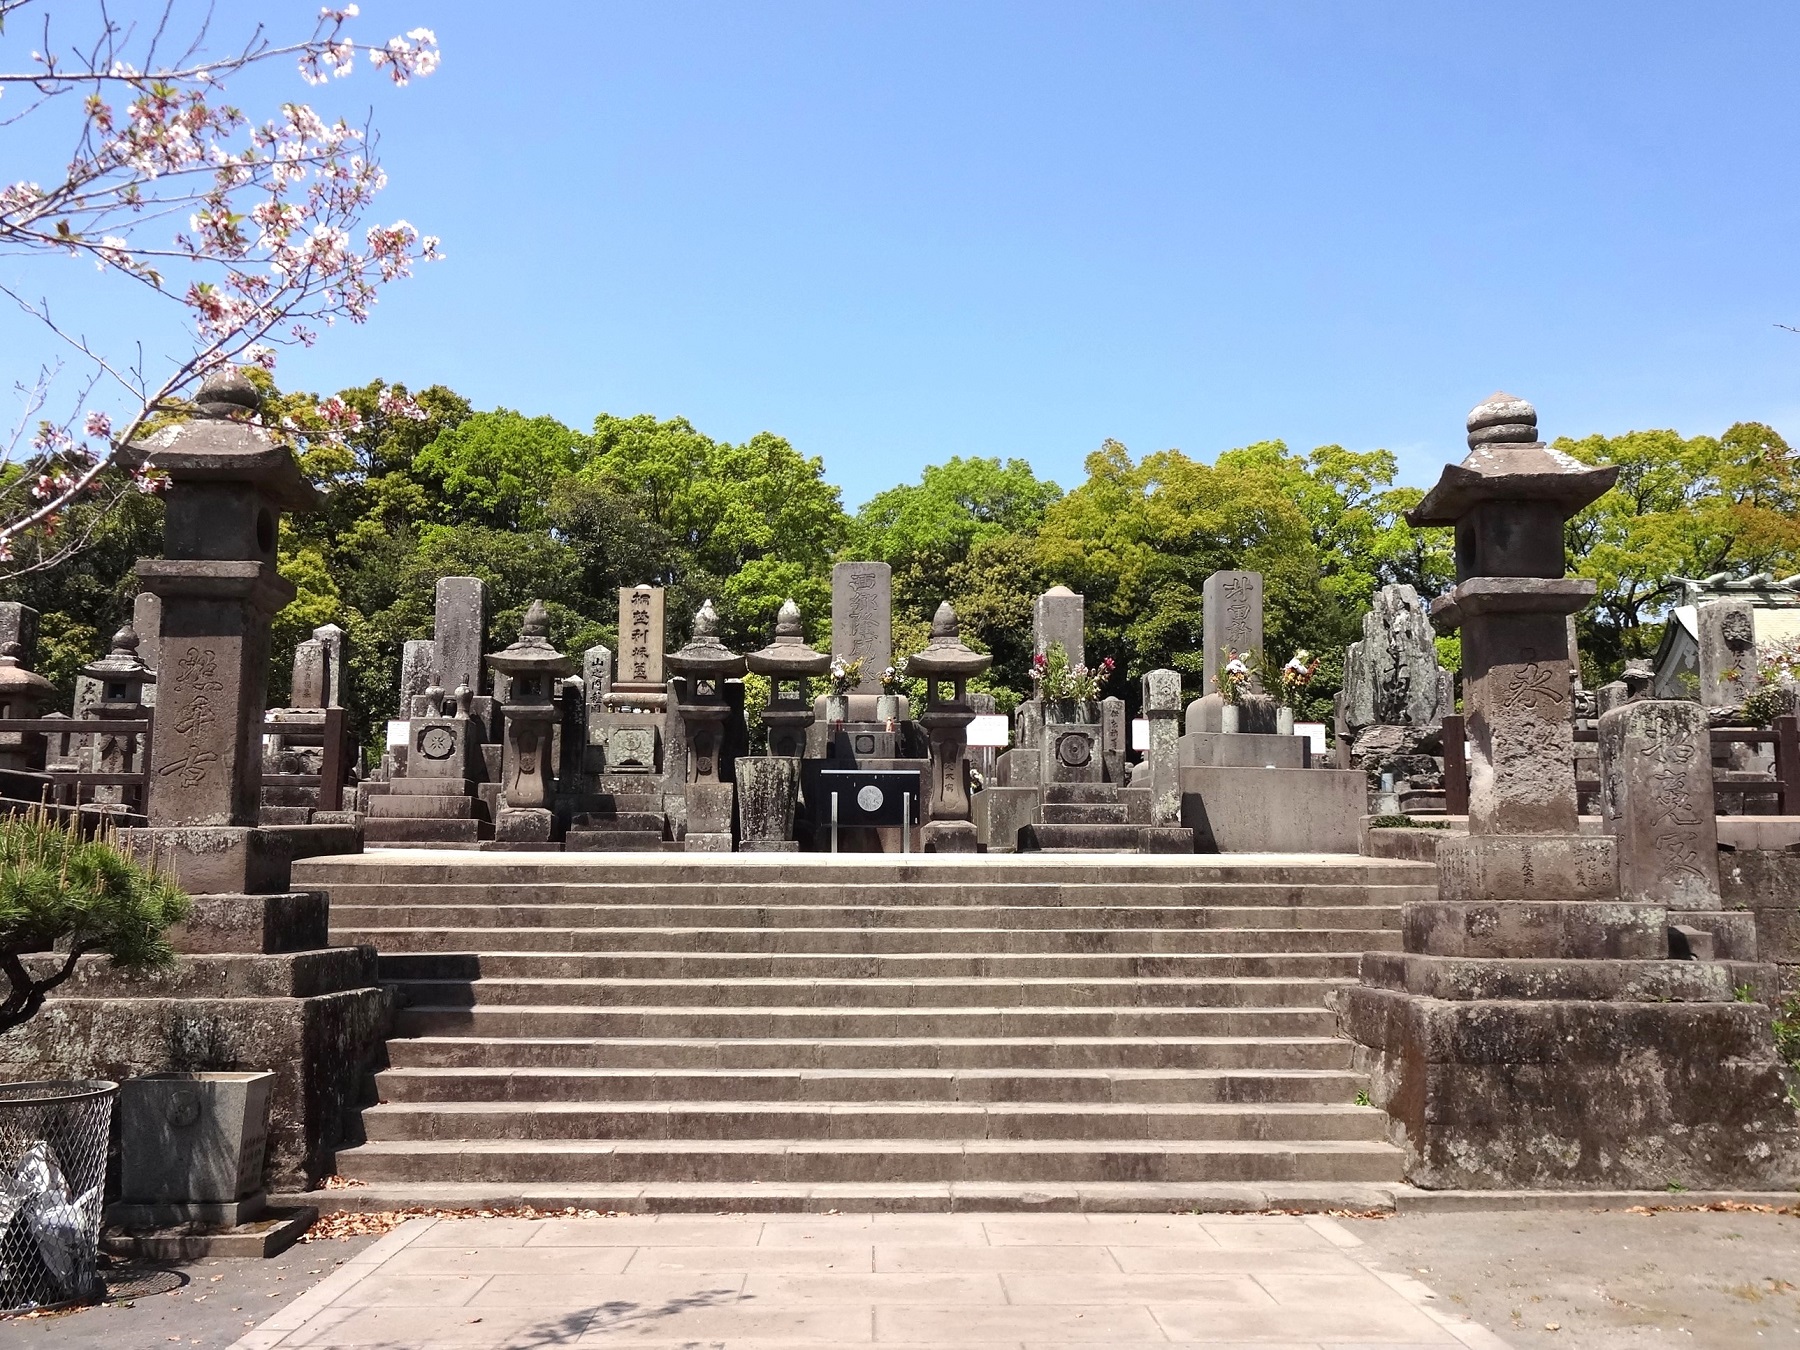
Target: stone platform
(760, 1031)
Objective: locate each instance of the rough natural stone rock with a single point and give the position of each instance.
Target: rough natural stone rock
(1391, 675)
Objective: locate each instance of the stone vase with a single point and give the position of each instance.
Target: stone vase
(1284, 721)
(195, 1138)
(1228, 717)
(766, 787)
(887, 708)
(837, 709)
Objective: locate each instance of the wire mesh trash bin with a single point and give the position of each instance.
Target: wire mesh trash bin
(52, 1182)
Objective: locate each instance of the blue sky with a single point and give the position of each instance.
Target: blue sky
(897, 232)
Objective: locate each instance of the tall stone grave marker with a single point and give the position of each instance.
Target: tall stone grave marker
(146, 622)
(1231, 621)
(640, 669)
(1656, 799)
(1391, 675)
(1727, 652)
(459, 634)
(417, 656)
(1056, 620)
(19, 623)
(862, 622)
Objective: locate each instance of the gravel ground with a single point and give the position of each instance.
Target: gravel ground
(1601, 1280)
(212, 1304)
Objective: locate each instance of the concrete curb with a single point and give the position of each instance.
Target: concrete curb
(1410, 1201)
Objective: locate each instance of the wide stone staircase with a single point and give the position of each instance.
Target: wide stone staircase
(667, 1031)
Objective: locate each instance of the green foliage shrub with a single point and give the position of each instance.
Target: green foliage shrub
(60, 891)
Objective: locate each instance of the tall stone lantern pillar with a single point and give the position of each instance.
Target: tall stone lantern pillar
(768, 785)
(702, 667)
(217, 582)
(532, 666)
(1534, 1032)
(950, 826)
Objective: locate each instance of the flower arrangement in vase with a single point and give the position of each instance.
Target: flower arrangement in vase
(1070, 689)
(893, 684)
(845, 674)
(1295, 676)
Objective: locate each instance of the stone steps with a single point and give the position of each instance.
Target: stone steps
(743, 1161)
(874, 993)
(936, 1197)
(763, 1031)
(1122, 942)
(1075, 918)
(744, 1122)
(854, 1023)
(934, 896)
(923, 968)
(467, 1083)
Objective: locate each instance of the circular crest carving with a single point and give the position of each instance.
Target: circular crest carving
(1073, 751)
(869, 797)
(437, 743)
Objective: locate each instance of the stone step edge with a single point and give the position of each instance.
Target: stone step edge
(815, 1009)
(833, 1199)
(902, 1074)
(1248, 1148)
(897, 1109)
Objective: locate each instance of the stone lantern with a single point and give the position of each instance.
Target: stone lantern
(768, 785)
(703, 666)
(1534, 1007)
(532, 667)
(789, 663)
(950, 827)
(23, 694)
(229, 482)
(122, 677)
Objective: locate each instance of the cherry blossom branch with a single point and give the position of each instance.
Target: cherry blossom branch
(268, 251)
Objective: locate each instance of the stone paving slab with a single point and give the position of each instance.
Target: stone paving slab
(763, 1283)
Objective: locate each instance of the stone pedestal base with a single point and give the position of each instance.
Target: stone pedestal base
(294, 921)
(706, 842)
(237, 859)
(949, 836)
(769, 846)
(1577, 929)
(1502, 1093)
(1165, 839)
(170, 1214)
(523, 825)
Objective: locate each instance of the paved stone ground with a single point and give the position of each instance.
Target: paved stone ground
(1606, 1280)
(211, 1304)
(948, 1281)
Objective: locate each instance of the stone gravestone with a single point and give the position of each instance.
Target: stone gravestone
(1231, 621)
(336, 643)
(308, 689)
(1113, 736)
(640, 669)
(459, 634)
(417, 657)
(1056, 620)
(862, 603)
(1727, 652)
(19, 623)
(1162, 709)
(146, 622)
(1656, 799)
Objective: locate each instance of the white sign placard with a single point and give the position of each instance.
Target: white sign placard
(1314, 732)
(1140, 733)
(990, 729)
(399, 734)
